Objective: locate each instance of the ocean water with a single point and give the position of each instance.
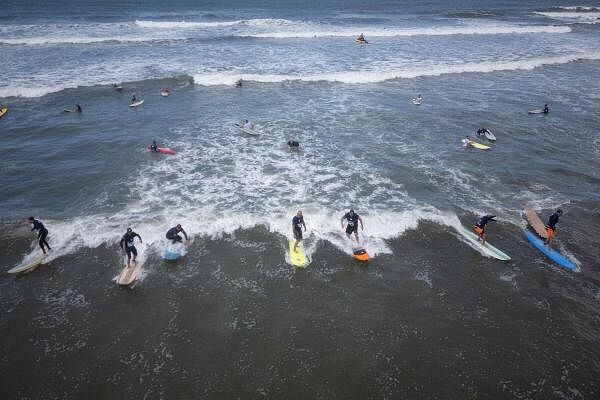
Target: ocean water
(427, 317)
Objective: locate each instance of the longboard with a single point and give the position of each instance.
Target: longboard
(137, 103)
(298, 258)
(535, 222)
(129, 274)
(480, 146)
(360, 253)
(536, 112)
(27, 267)
(164, 150)
(549, 252)
(248, 131)
(486, 249)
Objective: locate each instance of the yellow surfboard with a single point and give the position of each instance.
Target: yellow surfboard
(298, 258)
(3, 111)
(478, 145)
(129, 274)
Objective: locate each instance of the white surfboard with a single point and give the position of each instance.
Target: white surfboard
(417, 102)
(248, 131)
(129, 274)
(485, 249)
(137, 103)
(28, 267)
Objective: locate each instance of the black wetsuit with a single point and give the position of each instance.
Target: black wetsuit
(552, 221)
(154, 148)
(293, 143)
(546, 110)
(298, 222)
(484, 220)
(172, 234)
(127, 243)
(481, 131)
(352, 223)
(42, 233)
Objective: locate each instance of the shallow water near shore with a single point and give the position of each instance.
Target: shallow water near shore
(427, 317)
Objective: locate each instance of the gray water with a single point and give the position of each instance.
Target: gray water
(427, 317)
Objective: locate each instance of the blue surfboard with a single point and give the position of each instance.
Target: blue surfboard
(171, 255)
(551, 254)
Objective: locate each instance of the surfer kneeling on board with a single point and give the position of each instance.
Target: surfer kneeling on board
(127, 244)
(551, 226)
(353, 219)
(480, 227)
(172, 234)
(297, 224)
(154, 147)
(545, 110)
(42, 232)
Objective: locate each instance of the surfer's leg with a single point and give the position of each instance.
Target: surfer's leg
(134, 251)
(128, 252)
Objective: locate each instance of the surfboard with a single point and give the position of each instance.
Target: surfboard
(486, 249)
(489, 135)
(164, 150)
(417, 102)
(477, 145)
(360, 253)
(540, 111)
(165, 93)
(248, 131)
(3, 111)
(67, 110)
(28, 267)
(129, 274)
(361, 41)
(298, 258)
(171, 255)
(137, 103)
(549, 252)
(535, 222)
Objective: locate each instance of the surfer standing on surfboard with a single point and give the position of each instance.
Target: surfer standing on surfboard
(353, 219)
(172, 234)
(42, 232)
(551, 226)
(127, 244)
(297, 224)
(480, 227)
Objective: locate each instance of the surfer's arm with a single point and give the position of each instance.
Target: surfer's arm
(304, 225)
(139, 237)
(361, 223)
(184, 234)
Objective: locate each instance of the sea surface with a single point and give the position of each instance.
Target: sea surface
(428, 317)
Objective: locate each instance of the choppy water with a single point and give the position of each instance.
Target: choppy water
(427, 317)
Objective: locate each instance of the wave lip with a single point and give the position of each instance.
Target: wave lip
(392, 32)
(371, 76)
(586, 17)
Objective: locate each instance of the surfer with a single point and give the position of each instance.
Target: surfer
(133, 99)
(480, 227)
(248, 125)
(551, 226)
(297, 224)
(238, 83)
(42, 233)
(353, 219)
(117, 86)
(361, 38)
(172, 234)
(293, 144)
(545, 110)
(127, 244)
(154, 147)
(466, 142)
(481, 131)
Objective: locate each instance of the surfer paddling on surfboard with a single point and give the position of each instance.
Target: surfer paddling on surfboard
(42, 232)
(353, 220)
(172, 234)
(128, 246)
(297, 224)
(479, 227)
(551, 226)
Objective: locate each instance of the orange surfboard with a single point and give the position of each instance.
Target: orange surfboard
(536, 223)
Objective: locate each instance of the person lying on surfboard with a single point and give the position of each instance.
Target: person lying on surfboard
(353, 219)
(42, 232)
(172, 234)
(480, 227)
(551, 226)
(297, 224)
(154, 147)
(127, 244)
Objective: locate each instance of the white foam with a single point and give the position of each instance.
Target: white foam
(183, 24)
(375, 76)
(576, 17)
(318, 31)
(44, 40)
